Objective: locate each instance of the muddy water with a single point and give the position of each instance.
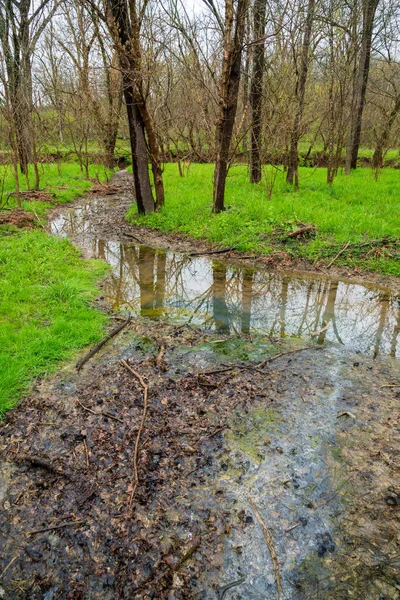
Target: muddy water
(229, 298)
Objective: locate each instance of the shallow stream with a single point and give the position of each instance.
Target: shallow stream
(231, 298)
(284, 451)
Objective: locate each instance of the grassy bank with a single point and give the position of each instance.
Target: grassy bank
(45, 293)
(355, 209)
(64, 182)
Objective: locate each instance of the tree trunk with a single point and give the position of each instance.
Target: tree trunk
(122, 30)
(353, 144)
(256, 90)
(229, 96)
(140, 167)
(293, 161)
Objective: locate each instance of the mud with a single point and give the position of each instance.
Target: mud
(18, 218)
(311, 438)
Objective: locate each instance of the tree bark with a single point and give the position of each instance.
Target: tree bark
(122, 29)
(229, 96)
(140, 165)
(353, 144)
(293, 160)
(256, 90)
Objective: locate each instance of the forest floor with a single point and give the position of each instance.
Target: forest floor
(275, 475)
(309, 440)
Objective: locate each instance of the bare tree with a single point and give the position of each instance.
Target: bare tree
(360, 85)
(21, 25)
(233, 43)
(293, 161)
(256, 89)
(125, 19)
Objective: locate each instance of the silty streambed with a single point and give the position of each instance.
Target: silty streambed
(285, 452)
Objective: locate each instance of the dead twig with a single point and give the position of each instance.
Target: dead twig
(222, 590)
(86, 452)
(134, 237)
(391, 385)
(324, 328)
(207, 437)
(66, 524)
(270, 544)
(300, 231)
(141, 426)
(338, 254)
(8, 566)
(97, 413)
(292, 527)
(272, 358)
(102, 342)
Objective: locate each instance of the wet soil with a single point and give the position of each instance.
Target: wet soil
(297, 431)
(17, 218)
(311, 438)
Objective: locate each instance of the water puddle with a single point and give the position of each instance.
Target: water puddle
(235, 299)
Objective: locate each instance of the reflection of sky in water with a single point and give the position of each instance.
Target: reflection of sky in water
(238, 299)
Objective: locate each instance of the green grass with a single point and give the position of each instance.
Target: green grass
(45, 311)
(45, 293)
(356, 209)
(66, 185)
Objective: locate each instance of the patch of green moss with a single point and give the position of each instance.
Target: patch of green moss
(250, 432)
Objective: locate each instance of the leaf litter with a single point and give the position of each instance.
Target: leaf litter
(78, 523)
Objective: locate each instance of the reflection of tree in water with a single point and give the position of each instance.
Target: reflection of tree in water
(221, 315)
(329, 313)
(396, 331)
(247, 295)
(151, 265)
(236, 299)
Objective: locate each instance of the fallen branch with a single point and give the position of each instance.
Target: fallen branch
(102, 342)
(391, 385)
(257, 366)
(270, 544)
(97, 413)
(130, 235)
(205, 252)
(326, 326)
(272, 358)
(300, 231)
(338, 254)
(139, 433)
